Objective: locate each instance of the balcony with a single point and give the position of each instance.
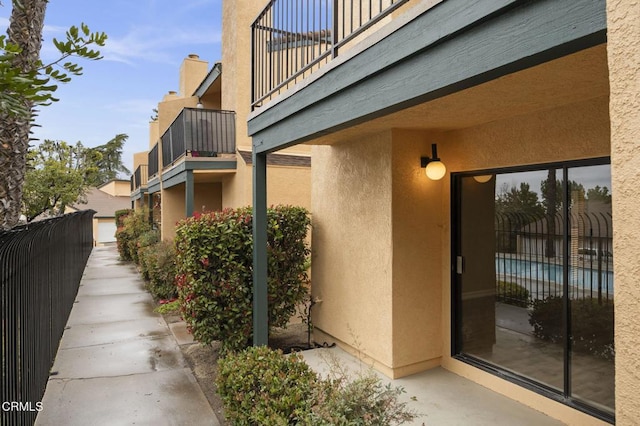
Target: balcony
(153, 162)
(140, 177)
(198, 133)
(292, 39)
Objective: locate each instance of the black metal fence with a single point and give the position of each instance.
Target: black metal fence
(40, 269)
(533, 261)
(153, 163)
(140, 177)
(199, 132)
(292, 38)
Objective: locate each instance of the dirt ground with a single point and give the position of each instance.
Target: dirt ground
(203, 359)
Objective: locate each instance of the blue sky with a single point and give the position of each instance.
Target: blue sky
(147, 41)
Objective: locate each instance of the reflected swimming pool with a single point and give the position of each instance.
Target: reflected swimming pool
(584, 278)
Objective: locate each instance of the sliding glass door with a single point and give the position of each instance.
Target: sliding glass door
(533, 279)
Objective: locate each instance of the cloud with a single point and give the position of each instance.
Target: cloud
(47, 29)
(156, 45)
(54, 29)
(196, 4)
(133, 106)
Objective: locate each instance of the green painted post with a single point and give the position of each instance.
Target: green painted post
(188, 193)
(149, 206)
(260, 304)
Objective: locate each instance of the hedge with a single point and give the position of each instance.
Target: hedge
(214, 259)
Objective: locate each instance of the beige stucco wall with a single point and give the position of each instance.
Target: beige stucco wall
(95, 226)
(140, 158)
(289, 185)
(207, 197)
(237, 17)
(154, 133)
(173, 210)
(351, 245)
(117, 188)
(623, 22)
(417, 224)
(285, 185)
(192, 71)
(230, 190)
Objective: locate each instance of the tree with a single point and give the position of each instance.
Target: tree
(56, 178)
(109, 160)
(59, 174)
(522, 201)
(599, 193)
(25, 83)
(553, 193)
(515, 207)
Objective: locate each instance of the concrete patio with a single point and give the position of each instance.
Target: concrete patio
(441, 397)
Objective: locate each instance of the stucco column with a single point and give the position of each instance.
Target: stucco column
(260, 303)
(623, 49)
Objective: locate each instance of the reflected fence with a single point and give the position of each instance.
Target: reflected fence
(41, 265)
(533, 260)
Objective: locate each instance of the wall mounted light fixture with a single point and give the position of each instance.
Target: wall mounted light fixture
(482, 178)
(434, 168)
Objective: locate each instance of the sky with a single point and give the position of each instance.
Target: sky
(147, 41)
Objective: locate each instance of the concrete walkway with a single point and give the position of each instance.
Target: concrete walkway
(118, 363)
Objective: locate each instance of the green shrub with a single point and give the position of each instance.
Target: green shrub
(214, 255)
(120, 215)
(592, 324)
(133, 226)
(363, 400)
(259, 386)
(512, 294)
(145, 242)
(158, 261)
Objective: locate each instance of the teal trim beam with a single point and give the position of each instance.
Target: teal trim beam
(260, 303)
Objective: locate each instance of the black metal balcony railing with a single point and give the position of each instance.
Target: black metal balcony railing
(41, 265)
(292, 38)
(200, 132)
(140, 177)
(153, 162)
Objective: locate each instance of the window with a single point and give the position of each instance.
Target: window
(533, 279)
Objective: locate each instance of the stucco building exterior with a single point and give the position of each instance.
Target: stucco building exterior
(199, 156)
(536, 99)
